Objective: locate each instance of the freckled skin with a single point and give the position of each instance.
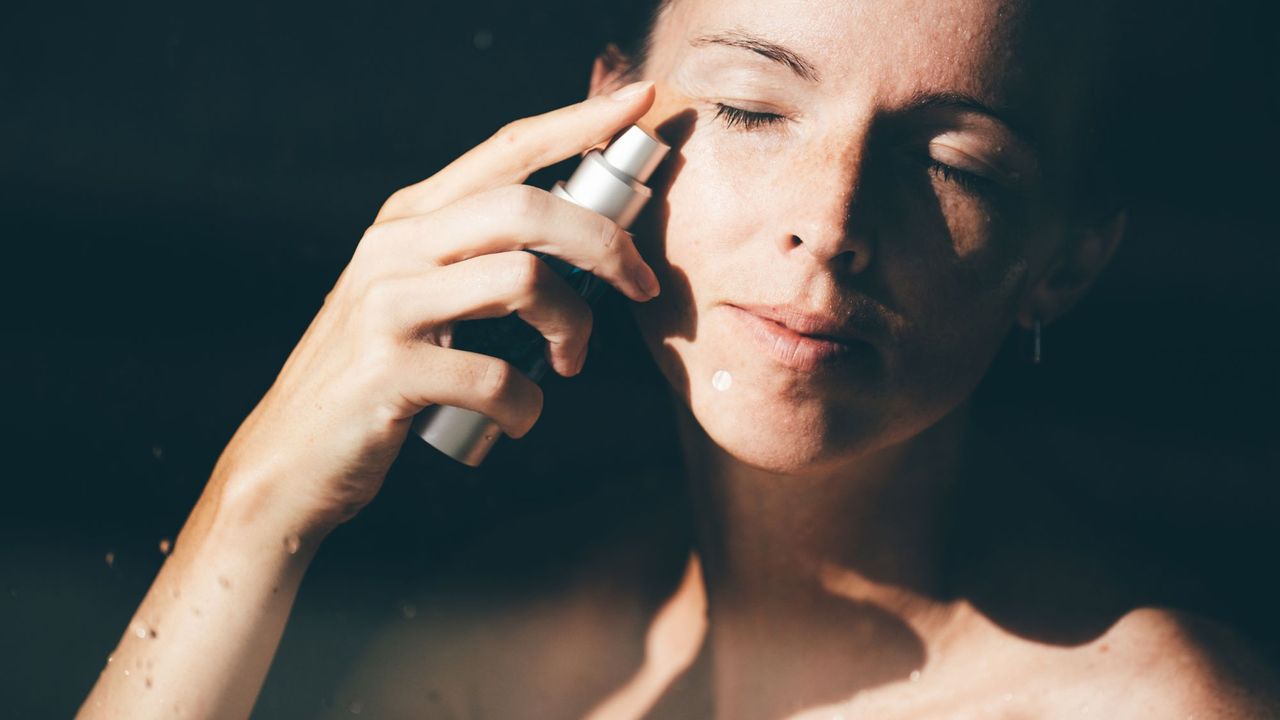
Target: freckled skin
(815, 589)
(946, 271)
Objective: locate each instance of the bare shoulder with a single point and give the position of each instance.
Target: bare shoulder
(1161, 662)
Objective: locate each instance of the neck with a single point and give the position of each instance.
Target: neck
(788, 557)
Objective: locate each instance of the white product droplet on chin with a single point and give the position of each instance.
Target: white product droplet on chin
(721, 380)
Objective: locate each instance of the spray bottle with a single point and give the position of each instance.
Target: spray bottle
(610, 183)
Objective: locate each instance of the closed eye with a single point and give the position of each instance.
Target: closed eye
(965, 179)
(746, 119)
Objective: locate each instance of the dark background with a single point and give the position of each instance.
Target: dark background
(180, 185)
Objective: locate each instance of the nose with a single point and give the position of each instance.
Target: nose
(826, 213)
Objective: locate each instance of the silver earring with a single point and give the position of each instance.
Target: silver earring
(1035, 342)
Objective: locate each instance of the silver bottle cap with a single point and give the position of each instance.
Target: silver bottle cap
(636, 153)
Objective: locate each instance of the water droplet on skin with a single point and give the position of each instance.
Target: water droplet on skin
(355, 708)
(721, 380)
(165, 544)
(915, 676)
(110, 658)
(142, 630)
(292, 543)
(111, 559)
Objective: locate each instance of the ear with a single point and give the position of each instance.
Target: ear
(608, 71)
(1079, 262)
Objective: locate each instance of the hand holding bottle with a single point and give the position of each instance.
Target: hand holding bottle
(445, 249)
(316, 448)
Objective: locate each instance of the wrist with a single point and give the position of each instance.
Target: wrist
(259, 508)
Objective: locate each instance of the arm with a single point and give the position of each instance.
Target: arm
(201, 642)
(315, 450)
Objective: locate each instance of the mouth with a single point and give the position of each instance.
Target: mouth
(774, 331)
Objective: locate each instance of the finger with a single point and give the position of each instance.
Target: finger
(491, 286)
(519, 148)
(518, 217)
(488, 385)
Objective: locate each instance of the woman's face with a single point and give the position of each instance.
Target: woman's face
(879, 165)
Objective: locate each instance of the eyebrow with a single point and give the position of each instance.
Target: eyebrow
(920, 101)
(766, 48)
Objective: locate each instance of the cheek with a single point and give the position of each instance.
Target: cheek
(705, 226)
(943, 250)
(958, 311)
(954, 268)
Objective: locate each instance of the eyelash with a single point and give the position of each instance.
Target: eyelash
(748, 120)
(967, 180)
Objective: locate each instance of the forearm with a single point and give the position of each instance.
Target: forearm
(203, 638)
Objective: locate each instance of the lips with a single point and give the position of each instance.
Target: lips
(821, 327)
(797, 340)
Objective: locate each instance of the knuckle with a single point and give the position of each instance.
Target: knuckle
(378, 303)
(494, 379)
(402, 201)
(525, 272)
(510, 133)
(390, 207)
(396, 199)
(372, 234)
(521, 200)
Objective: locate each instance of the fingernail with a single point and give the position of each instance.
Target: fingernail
(629, 91)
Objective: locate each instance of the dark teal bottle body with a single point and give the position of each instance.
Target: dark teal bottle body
(610, 183)
(514, 340)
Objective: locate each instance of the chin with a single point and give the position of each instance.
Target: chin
(768, 418)
(761, 425)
